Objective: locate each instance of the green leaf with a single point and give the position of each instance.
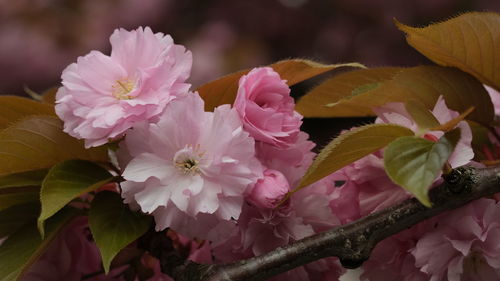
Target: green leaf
(18, 195)
(38, 142)
(469, 42)
(345, 85)
(424, 84)
(351, 146)
(224, 89)
(14, 108)
(25, 246)
(14, 217)
(30, 178)
(114, 225)
(414, 163)
(421, 115)
(67, 181)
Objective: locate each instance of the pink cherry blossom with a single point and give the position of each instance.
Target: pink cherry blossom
(292, 161)
(191, 168)
(262, 230)
(465, 245)
(269, 191)
(102, 96)
(376, 189)
(69, 257)
(396, 113)
(266, 107)
(391, 259)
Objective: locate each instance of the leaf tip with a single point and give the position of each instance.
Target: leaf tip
(41, 227)
(106, 264)
(401, 26)
(424, 199)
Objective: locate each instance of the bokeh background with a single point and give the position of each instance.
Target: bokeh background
(39, 38)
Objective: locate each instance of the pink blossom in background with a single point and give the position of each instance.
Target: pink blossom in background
(102, 96)
(269, 191)
(365, 180)
(364, 188)
(396, 113)
(376, 189)
(190, 169)
(391, 259)
(465, 245)
(69, 257)
(266, 108)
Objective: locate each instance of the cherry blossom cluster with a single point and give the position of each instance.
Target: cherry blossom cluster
(218, 180)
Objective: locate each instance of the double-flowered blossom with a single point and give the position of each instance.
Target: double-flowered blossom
(266, 107)
(102, 96)
(465, 245)
(191, 168)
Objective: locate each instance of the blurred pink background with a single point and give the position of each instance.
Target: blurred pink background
(39, 38)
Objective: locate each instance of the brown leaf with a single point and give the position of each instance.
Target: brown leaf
(13, 108)
(344, 85)
(49, 96)
(38, 142)
(470, 42)
(425, 84)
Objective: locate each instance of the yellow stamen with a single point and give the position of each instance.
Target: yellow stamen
(122, 88)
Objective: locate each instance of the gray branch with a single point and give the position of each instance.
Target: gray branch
(351, 243)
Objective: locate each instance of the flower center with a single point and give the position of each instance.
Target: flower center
(187, 160)
(122, 88)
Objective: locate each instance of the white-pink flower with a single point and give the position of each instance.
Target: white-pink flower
(189, 163)
(266, 108)
(465, 245)
(102, 96)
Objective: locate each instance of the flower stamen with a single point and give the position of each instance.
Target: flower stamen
(188, 166)
(122, 88)
(187, 160)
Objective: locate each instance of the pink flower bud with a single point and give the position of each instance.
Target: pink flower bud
(270, 190)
